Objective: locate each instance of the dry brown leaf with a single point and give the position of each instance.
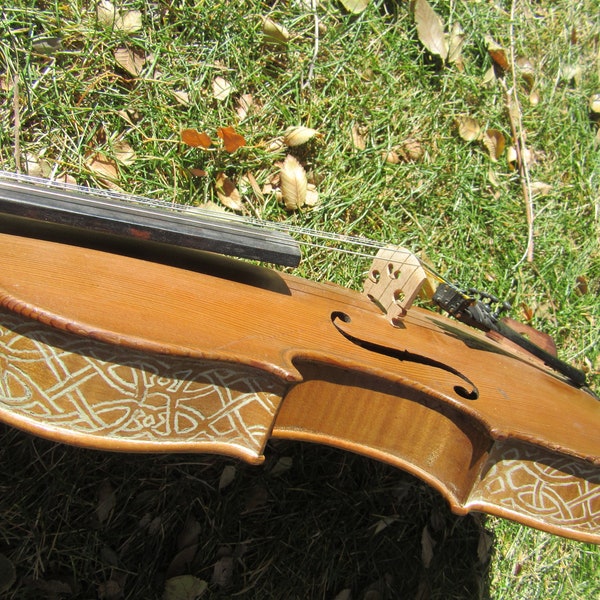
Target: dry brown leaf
(293, 183)
(430, 29)
(107, 500)
(182, 97)
(195, 138)
(130, 22)
(123, 152)
(102, 166)
(231, 139)
(355, 6)
(130, 61)
(227, 476)
(298, 135)
(391, 157)
(526, 70)
(539, 188)
(198, 172)
(244, 104)
(456, 41)
(221, 88)
(274, 32)
(427, 544)
(227, 193)
(495, 142)
(468, 128)
(36, 166)
(312, 195)
(223, 572)
(410, 150)
(359, 136)
(497, 53)
(106, 13)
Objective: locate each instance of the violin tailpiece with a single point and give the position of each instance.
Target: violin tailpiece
(395, 279)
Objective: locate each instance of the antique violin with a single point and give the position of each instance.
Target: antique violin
(132, 325)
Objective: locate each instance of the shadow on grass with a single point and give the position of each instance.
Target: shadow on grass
(311, 523)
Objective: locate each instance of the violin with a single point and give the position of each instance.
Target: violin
(130, 325)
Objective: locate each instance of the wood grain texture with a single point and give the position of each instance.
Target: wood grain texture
(207, 314)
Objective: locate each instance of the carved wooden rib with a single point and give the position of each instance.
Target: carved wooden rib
(114, 352)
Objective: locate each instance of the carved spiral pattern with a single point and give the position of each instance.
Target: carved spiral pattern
(550, 489)
(59, 380)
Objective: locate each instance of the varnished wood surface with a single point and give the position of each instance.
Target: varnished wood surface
(326, 389)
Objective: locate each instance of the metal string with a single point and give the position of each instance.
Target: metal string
(184, 213)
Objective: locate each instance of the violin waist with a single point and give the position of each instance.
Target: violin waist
(195, 352)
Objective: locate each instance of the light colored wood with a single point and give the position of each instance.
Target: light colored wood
(313, 384)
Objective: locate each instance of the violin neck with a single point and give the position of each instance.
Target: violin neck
(140, 218)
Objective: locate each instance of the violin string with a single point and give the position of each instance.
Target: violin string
(186, 213)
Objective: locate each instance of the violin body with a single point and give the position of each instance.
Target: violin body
(135, 348)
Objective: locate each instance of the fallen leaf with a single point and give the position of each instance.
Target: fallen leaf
(312, 195)
(184, 587)
(456, 41)
(534, 98)
(293, 183)
(198, 172)
(231, 139)
(468, 128)
(107, 500)
(359, 136)
(244, 104)
(497, 54)
(182, 97)
(130, 22)
(274, 32)
(410, 150)
(123, 152)
(495, 142)
(106, 13)
(355, 6)
(298, 135)
(228, 193)
(430, 29)
(283, 465)
(195, 138)
(102, 166)
(227, 476)
(36, 166)
(427, 544)
(187, 546)
(595, 104)
(223, 572)
(581, 286)
(391, 157)
(526, 70)
(572, 74)
(221, 88)
(539, 188)
(130, 61)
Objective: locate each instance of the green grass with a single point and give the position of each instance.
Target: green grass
(315, 534)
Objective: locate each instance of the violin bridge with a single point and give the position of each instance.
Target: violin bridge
(395, 279)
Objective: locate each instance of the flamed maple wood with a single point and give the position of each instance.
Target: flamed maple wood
(135, 349)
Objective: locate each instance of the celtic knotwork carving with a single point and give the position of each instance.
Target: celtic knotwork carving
(554, 490)
(64, 381)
